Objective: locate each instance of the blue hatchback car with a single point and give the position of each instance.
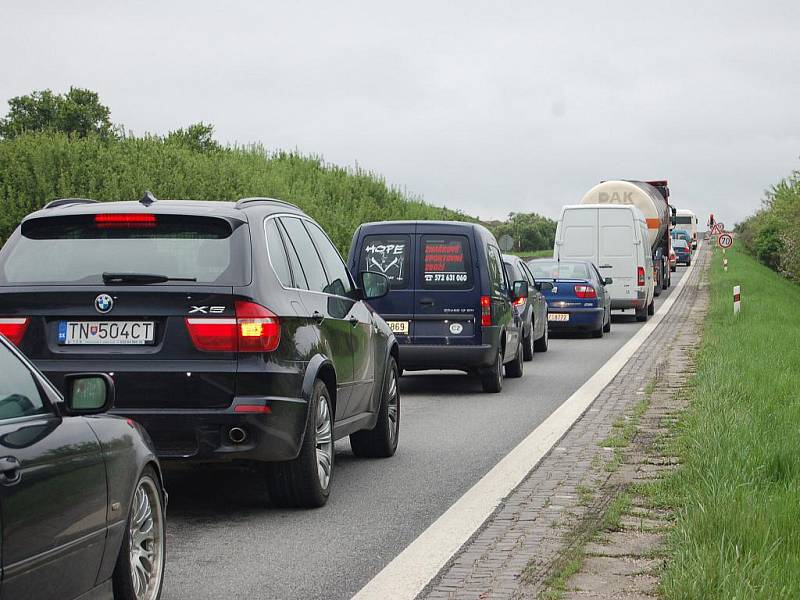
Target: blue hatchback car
(451, 302)
(578, 300)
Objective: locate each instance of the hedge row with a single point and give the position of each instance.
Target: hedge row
(773, 234)
(36, 168)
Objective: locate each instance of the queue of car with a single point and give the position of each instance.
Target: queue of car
(234, 333)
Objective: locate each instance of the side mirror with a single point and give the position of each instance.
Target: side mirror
(608, 281)
(374, 285)
(520, 289)
(544, 286)
(88, 393)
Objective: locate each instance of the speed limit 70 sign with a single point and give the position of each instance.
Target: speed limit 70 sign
(725, 240)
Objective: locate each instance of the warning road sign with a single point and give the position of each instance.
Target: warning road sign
(717, 229)
(725, 240)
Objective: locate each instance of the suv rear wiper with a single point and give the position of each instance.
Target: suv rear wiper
(143, 278)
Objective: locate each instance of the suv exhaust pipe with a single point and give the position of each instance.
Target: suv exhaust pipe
(237, 435)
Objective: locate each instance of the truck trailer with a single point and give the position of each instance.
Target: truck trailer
(652, 198)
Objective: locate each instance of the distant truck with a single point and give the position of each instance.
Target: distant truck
(686, 219)
(652, 199)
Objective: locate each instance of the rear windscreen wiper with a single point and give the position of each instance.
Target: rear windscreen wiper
(142, 278)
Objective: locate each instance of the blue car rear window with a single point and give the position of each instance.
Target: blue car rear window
(559, 270)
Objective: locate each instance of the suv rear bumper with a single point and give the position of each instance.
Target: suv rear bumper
(204, 435)
(417, 357)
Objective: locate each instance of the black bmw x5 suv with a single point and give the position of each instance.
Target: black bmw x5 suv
(233, 330)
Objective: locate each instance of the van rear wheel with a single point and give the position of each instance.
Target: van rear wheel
(641, 315)
(492, 378)
(651, 309)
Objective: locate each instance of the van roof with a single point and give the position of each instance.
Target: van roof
(629, 207)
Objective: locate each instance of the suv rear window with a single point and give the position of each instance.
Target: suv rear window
(446, 262)
(79, 249)
(387, 254)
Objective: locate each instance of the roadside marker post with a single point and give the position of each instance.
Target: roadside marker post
(725, 264)
(737, 299)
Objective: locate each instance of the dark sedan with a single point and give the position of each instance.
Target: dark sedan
(532, 309)
(578, 300)
(80, 493)
(682, 251)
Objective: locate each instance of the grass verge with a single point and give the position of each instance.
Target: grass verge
(737, 528)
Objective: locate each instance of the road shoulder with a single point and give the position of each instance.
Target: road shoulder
(575, 522)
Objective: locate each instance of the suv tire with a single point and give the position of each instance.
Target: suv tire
(514, 368)
(492, 378)
(300, 482)
(381, 440)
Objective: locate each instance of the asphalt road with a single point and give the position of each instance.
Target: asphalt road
(222, 542)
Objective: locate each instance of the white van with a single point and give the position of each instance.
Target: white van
(686, 219)
(614, 237)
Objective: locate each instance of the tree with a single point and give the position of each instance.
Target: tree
(79, 112)
(199, 137)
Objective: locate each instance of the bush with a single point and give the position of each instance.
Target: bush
(773, 234)
(35, 168)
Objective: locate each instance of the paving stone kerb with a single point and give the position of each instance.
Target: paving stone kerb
(527, 527)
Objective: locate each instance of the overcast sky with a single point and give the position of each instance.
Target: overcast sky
(490, 107)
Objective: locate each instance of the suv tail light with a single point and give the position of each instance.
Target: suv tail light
(486, 311)
(125, 221)
(14, 328)
(255, 329)
(639, 275)
(585, 291)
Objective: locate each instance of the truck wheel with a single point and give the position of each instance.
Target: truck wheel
(514, 368)
(651, 308)
(305, 482)
(492, 378)
(540, 345)
(381, 440)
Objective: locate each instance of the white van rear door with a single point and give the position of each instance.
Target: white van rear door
(618, 252)
(578, 235)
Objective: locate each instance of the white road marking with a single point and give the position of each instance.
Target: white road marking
(411, 570)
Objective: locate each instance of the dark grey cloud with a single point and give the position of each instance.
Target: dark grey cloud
(489, 107)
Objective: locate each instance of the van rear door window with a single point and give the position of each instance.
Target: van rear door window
(389, 255)
(446, 262)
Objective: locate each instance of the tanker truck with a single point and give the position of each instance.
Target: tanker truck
(652, 198)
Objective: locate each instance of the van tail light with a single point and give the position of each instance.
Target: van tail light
(639, 275)
(255, 329)
(486, 311)
(585, 291)
(14, 328)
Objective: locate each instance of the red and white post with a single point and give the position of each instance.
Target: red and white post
(737, 299)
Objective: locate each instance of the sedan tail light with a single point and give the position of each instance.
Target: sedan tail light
(585, 291)
(14, 328)
(255, 329)
(520, 301)
(639, 275)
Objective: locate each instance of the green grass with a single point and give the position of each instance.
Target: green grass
(737, 531)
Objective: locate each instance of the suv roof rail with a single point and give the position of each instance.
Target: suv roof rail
(243, 202)
(65, 201)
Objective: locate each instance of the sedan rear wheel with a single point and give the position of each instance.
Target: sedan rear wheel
(540, 345)
(527, 345)
(139, 572)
